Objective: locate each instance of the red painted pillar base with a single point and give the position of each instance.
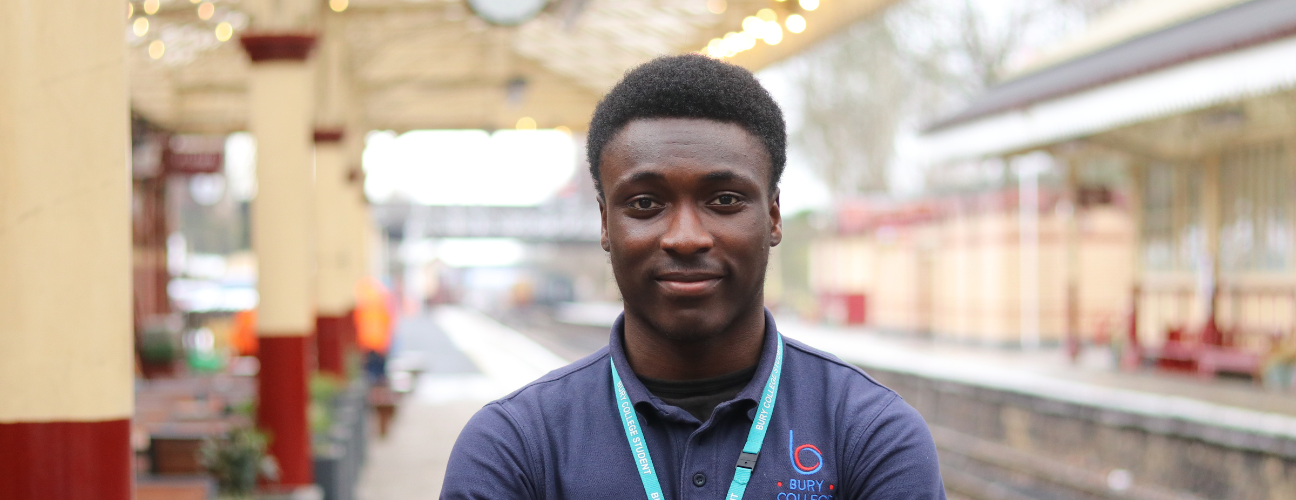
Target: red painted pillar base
(349, 335)
(281, 406)
(330, 334)
(66, 460)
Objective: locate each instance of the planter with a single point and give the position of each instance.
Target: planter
(175, 455)
(157, 369)
(308, 492)
(174, 488)
(339, 458)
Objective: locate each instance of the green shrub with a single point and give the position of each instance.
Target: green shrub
(158, 345)
(236, 460)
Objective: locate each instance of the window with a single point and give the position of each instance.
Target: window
(1256, 222)
(1173, 239)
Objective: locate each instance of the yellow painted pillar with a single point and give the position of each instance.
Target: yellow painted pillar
(360, 225)
(352, 207)
(66, 362)
(335, 284)
(334, 292)
(280, 116)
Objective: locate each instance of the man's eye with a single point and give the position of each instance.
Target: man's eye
(726, 199)
(642, 204)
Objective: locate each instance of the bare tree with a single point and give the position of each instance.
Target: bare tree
(850, 107)
(915, 62)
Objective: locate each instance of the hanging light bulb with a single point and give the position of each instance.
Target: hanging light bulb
(773, 34)
(156, 49)
(151, 6)
(339, 5)
(205, 10)
(224, 31)
(140, 26)
(715, 48)
(130, 10)
(809, 4)
(795, 23)
(748, 40)
(731, 44)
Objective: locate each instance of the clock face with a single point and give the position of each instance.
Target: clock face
(507, 12)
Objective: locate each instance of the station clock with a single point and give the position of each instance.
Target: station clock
(507, 12)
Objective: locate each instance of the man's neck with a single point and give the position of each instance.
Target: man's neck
(656, 355)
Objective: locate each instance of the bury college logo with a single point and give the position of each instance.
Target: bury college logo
(806, 459)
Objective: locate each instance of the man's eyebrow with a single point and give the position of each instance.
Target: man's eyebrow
(722, 175)
(646, 175)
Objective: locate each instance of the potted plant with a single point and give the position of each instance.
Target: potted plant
(157, 351)
(236, 460)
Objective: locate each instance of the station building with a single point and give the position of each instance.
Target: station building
(1147, 169)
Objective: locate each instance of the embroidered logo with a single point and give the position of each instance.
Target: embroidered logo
(807, 459)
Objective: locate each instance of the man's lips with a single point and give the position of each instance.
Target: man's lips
(689, 283)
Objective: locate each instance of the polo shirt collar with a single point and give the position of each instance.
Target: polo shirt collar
(640, 394)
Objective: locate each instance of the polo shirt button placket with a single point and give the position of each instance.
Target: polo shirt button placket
(699, 480)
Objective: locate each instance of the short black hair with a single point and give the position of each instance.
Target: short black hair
(689, 86)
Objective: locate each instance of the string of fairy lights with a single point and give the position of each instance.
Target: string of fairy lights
(176, 31)
(763, 26)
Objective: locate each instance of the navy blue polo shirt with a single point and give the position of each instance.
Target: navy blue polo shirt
(836, 434)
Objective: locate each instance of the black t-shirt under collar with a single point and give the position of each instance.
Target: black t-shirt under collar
(700, 397)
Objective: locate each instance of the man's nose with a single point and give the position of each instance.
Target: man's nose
(686, 234)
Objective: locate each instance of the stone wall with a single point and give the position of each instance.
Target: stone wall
(1001, 444)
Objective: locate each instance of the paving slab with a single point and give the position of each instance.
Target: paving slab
(411, 462)
(467, 360)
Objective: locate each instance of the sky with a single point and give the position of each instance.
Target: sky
(468, 167)
(801, 189)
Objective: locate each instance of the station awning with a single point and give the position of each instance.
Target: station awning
(1228, 55)
(420, 64)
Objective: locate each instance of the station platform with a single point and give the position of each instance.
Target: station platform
(1092, 379)
(461, 360)
(1009, 424)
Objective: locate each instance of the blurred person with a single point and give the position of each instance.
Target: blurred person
(373, 327)
(697, 394)
(373, 323)
(244, 337)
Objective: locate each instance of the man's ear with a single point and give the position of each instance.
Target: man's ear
(603, 236)
(776, 219)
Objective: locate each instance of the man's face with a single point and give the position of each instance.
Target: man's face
(689, 216)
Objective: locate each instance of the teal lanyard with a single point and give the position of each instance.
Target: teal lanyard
(746, 459)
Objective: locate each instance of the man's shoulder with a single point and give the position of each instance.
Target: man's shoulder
(585, 371)
(837, 370)
(859, 406)
(559, 395)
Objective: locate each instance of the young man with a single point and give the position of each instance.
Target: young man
(697, 395)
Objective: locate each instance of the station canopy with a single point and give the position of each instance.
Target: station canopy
(440, 64)
(1144, 63)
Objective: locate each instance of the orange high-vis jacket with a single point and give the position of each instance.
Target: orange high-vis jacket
(244, 338)
(373, 316)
